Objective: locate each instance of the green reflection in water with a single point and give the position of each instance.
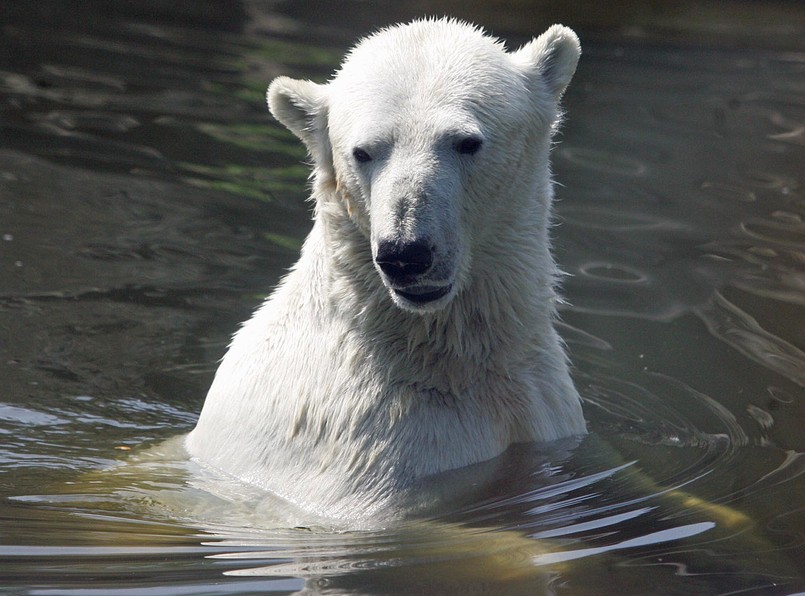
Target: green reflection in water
(290, 242)
(302, 54)
(254, 182)
(259, 137)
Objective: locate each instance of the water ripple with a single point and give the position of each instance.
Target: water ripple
(602, 161)
(742, 332)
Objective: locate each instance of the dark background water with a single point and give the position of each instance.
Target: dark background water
(148, 202)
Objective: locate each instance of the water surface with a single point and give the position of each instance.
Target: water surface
(148, 202)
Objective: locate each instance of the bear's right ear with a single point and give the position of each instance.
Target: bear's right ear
(301, 106)
(553, 57)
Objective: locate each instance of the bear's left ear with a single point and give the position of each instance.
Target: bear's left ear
(302, 107)
(552, 57)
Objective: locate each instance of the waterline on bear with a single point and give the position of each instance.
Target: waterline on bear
(415, 335)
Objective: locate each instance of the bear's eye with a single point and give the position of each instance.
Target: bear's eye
(361, 155)
(469, 146)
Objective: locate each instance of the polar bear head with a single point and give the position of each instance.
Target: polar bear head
(431, 137)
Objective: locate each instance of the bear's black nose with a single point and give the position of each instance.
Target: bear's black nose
(402, 260)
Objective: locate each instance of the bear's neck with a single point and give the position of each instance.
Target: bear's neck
(498, 323)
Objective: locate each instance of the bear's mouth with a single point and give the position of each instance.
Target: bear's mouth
(424, 294)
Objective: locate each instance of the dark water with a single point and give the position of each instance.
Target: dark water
(148, 202)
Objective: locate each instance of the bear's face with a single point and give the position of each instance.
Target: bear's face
(424, 131)
(406, 167)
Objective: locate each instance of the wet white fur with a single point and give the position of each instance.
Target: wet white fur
(336, 395)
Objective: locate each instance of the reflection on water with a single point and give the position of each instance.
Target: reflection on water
(147, 202)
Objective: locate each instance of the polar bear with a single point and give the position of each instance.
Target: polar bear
(416, 332)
